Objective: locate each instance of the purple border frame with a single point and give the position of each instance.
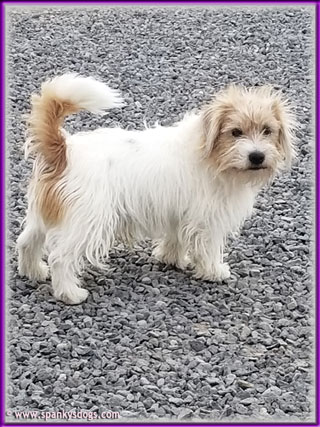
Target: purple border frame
(316, 4)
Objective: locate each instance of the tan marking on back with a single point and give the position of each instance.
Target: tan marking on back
(49, 144)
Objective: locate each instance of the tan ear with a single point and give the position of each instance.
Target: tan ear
(216, 113)
(284, 114)
(213, 116)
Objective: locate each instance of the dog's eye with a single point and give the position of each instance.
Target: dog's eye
(266, 130)
(236, 132)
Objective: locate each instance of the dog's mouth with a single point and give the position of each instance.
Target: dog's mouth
(257, 168)
(252, 169)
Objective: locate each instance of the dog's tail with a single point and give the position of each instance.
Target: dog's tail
(60, 97)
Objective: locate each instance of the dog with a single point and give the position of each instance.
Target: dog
(186, 186)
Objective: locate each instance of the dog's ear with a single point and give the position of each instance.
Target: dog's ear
(216, 113)
(213, 117)
(285, 117)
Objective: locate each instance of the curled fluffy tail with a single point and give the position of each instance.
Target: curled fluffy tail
(60, 97)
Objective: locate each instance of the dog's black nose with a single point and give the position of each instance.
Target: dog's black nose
(256, 158)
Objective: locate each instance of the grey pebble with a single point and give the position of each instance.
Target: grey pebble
(87, 322)
(245, 333)
(291, 303)
(244, 384)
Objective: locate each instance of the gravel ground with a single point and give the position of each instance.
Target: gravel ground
(152, 342)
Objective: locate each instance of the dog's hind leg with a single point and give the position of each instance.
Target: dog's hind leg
(65, 263)
(30, 249)
(65, 281)
(66, 260)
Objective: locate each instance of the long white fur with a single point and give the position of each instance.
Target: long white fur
(129, 185)
(85, 92)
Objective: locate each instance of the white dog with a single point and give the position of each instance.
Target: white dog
(186, 186)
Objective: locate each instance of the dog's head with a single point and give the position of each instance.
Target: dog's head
(248, 132)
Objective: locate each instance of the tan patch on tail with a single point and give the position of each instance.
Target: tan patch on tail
(49, 144)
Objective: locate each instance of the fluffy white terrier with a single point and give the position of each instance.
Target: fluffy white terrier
(186, 186)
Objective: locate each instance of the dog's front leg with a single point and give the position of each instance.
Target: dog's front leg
(207, 256)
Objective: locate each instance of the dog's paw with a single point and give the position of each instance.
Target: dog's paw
(222, 272)
(73, 296)
(39, 272)
(162, 256)
(219, 273)
(43, 272)
(169, 258)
